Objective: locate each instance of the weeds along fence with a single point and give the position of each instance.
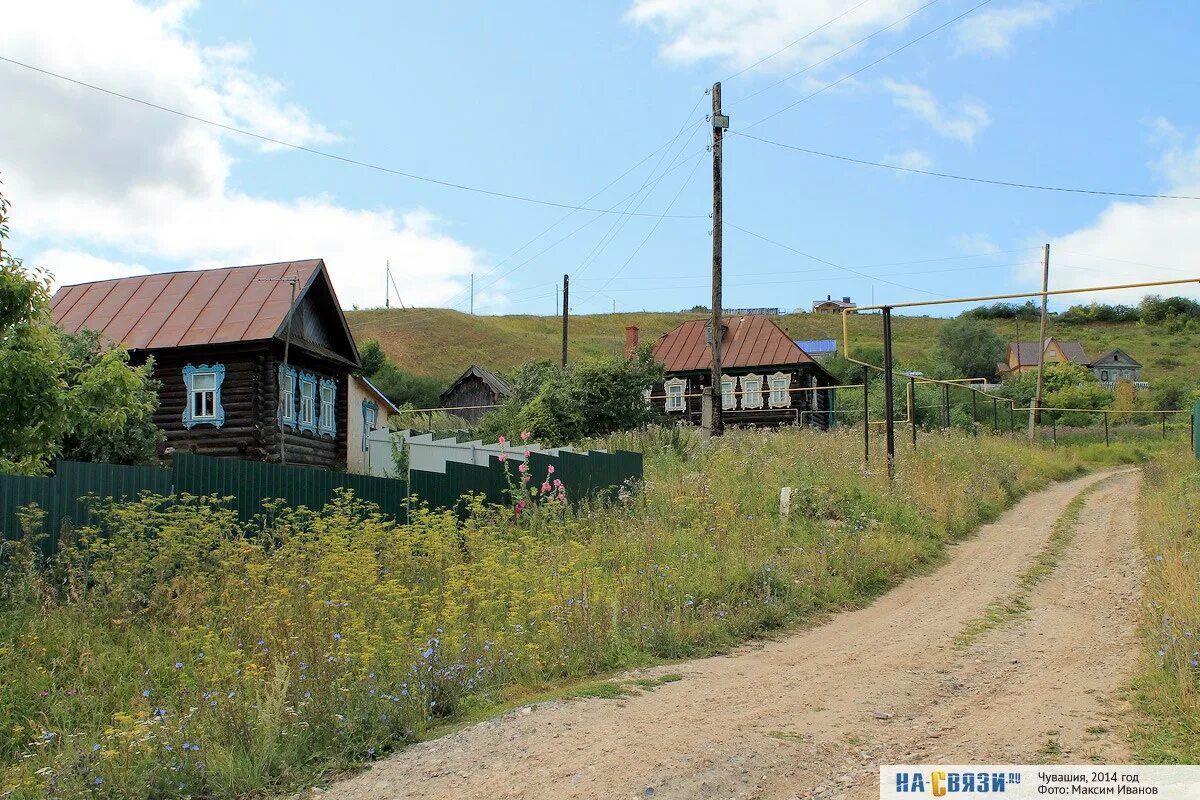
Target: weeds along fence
(67, 498)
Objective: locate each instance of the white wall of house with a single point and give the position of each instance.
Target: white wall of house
(357, 444)
(431, 454)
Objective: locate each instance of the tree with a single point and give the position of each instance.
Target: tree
(60, 395)
(588, 399)
(372, 357)
(969, 347)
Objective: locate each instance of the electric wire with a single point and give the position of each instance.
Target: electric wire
(324, 153)
(968, 178)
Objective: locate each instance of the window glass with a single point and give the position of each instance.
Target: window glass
(306, 402)
(727, 398)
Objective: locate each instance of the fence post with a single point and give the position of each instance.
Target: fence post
(1164, 424)
(1012, 425)
(866, 415)
(1054, 427)
(912, 408)
(995, 415)
(975, 412)
(1105, 429)
(946, 404)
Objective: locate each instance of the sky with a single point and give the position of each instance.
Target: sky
(603, 106)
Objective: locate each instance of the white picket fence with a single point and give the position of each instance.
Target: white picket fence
(430, 454)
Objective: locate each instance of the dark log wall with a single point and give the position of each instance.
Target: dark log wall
(471, 392)
(249, 396)
(308, 449)
(241, 396)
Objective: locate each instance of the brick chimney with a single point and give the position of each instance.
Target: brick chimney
(631, 340)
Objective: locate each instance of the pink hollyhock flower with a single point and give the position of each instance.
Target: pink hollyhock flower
(550, 470)
(502, 440)
(503, 457)
(527, 452)
(546, 487)
(525, 436)
(523, 468)
(557, 483)
(520, 506)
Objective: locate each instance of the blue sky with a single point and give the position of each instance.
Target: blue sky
(555, 101)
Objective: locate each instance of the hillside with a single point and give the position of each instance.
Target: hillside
(441, 343)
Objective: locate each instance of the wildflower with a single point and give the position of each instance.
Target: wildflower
(145, 692)
(370, 751)
(525, 436)
(1158, 557)
(558, 484)
(337, 637)
(98, 780)
(502, 457)
(545, 487)
(520, 506)
(178, 665)
(550, 470)
(523, 468)
(96, 748)
(502, 440)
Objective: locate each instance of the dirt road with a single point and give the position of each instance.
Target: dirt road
(815, 713)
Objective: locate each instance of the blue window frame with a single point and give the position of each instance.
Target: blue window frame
(327, 418)
(370, 412)
(287, 397)
(307, 411)
(202, 405)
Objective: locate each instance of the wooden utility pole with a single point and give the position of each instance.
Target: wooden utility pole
(719, 123)
(387, 285)
(1035, 407)
(566, 313)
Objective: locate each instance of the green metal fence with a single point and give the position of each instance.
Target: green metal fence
(65, 498)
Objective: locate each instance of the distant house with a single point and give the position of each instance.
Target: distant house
(831, 306)
(370, 410)
(820, 349)
(473, 394)
(767, 379)
(243, 367)
(1116, 365)
(1023, 356)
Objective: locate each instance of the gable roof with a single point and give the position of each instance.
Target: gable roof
(369, 388)
(494, 382)
(199, 307)
(752, 341)
(1111, 359)
(1027, 352)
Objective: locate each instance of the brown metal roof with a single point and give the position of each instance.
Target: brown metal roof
(1027, 352)
(751, 341)
(177, 309)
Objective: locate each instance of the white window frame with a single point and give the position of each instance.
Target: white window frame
(752, 388)
(779, 396)
(728, 396)
(675, 401)
(308, 403)
(327, 400)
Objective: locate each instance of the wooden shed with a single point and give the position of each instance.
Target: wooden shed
(474, 393)
(246, 371)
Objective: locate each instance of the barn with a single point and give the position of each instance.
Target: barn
(254, 362)
(475, 393)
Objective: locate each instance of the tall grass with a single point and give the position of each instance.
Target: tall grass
(1168, 684)
(184, 656)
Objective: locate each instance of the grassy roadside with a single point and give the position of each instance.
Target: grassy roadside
(178, 659)
(1167, 687)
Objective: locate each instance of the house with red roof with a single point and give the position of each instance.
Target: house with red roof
(766, 378)
(254, 362)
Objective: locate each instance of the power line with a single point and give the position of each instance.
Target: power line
(832, 56)
(827, 261)
(1010, 184)
(331, 156)
(882, 58)
(787, 47)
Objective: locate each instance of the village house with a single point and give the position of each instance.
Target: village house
(1023, 356)
(475, 393)
(831, 306)
(1117, 365)
(255, 362)
(377, 412)
(766, 378)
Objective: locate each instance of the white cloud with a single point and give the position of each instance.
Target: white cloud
(1132, 242)
(740, 32)
(993, 30)
(87, 171)
(910, 159)
(963, 126)
(977, 244)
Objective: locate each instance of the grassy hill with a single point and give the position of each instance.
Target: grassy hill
(441, 343)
